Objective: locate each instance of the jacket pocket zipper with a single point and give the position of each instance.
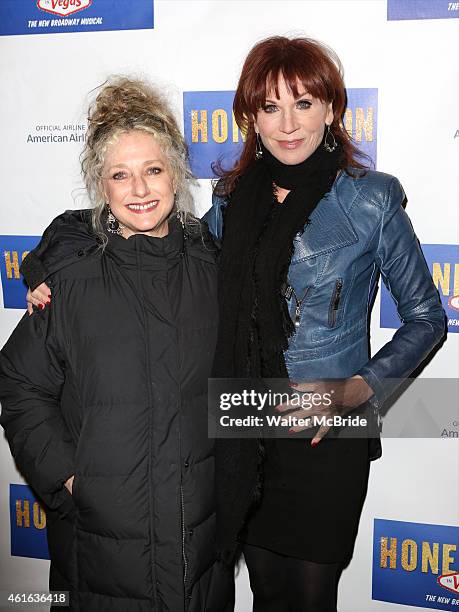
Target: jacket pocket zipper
(334, 304)
(288, 292)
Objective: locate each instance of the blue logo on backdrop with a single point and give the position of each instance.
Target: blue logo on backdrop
(443, 262)
(54, 16)
(212, 134)
(13, 250)
(361, 119)
(28, 524)
(210, 130)
(411, 562)
(421, 9)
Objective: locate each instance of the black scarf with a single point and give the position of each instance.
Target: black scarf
(255, 324)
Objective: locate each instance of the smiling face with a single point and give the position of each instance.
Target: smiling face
(292, 127)
(138, 184)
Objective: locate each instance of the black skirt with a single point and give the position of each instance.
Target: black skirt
(312, 498)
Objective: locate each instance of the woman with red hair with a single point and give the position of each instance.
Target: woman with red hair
(307, 231)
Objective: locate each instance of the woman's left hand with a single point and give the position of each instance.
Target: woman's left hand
(335, 398)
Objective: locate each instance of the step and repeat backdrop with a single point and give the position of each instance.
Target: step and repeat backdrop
(401, 72)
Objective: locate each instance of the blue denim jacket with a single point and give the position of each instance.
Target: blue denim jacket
(358, 231)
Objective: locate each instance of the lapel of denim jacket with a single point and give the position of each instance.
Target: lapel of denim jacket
(330, 228)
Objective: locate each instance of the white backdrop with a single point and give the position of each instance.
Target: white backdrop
(200, 46)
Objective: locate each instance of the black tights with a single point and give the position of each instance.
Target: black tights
(286, 584)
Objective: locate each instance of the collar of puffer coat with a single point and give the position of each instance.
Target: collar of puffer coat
(70, 237)
(154, 253)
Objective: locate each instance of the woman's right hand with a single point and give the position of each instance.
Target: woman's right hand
(40, 297)
(69, 484)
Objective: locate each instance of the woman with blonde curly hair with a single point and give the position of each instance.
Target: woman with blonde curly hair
(104, 394)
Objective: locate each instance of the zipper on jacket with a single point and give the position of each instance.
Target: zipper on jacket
(186, 601)
(150, 431)
(334, 303)
(185, 560)
(288, 292)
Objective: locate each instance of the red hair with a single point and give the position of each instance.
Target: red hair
(303, 60)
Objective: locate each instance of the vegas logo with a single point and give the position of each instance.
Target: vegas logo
(63, 7)
(450, 582)
(453, 302)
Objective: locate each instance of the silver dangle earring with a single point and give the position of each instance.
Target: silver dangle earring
(180, 217)
(330, 143)
(113, 225)
(180, 214)
(258, 149)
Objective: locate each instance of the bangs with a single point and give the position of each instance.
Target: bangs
(298, 81)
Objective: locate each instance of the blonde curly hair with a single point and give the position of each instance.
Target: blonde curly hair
(124, 104)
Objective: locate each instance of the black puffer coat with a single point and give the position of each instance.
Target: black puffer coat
(110, 383)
